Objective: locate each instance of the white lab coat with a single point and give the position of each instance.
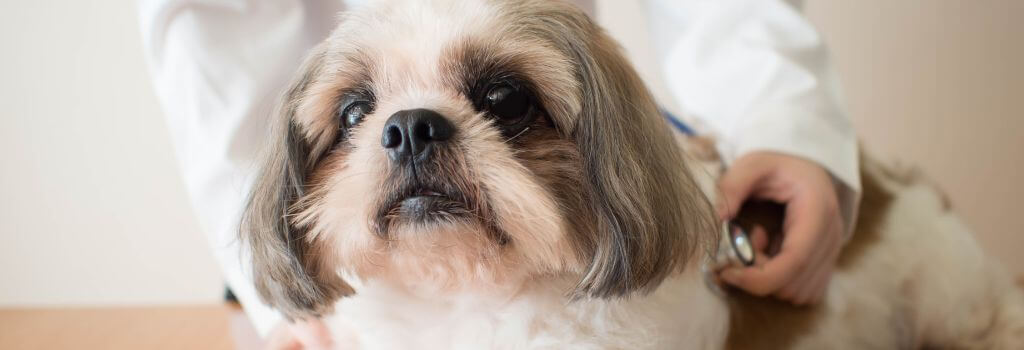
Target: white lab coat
(753, 72)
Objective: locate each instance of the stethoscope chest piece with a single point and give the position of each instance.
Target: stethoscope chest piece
(735, 249)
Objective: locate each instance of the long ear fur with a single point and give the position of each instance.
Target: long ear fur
(290, 270)
(651, 214)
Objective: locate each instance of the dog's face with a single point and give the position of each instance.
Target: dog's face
(456, 143)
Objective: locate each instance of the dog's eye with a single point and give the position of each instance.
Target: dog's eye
(507, 103)
(354, 113)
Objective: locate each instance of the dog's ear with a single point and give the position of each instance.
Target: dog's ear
(291, 270)
(650, 213)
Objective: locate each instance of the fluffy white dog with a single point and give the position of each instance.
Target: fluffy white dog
(493, 174)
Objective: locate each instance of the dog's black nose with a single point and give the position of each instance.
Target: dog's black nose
(412, 133)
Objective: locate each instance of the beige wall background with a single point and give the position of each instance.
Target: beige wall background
(92, 209)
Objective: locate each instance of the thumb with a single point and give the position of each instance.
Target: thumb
(737, 184)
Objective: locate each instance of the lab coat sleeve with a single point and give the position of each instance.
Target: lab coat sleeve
(218, 67)
(756, 75)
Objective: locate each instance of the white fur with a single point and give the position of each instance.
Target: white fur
(537, 316)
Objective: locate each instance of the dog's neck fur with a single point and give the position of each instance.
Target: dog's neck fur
(538, 314)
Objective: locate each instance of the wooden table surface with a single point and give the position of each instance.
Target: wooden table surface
(169, 327)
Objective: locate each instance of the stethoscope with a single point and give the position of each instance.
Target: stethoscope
(735, 249)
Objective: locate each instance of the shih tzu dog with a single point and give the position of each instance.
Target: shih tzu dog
(493, 174)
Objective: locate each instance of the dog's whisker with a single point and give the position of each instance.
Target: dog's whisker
(517, 135)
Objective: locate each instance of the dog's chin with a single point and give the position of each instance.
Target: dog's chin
(437, 240)
(428, 207)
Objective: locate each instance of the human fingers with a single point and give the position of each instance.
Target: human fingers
(804, 218)
(769, 277)
(738, 182)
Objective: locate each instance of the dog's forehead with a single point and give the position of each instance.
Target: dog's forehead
(429, 19)
(407, 38)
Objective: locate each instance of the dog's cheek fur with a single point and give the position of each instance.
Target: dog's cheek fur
(336, 209)
(557, 165)
(522, 184)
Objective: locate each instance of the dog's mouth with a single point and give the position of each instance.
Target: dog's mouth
(420, 204)
(426, 204)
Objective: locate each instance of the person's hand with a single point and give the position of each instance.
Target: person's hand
(303, 334)
(812, 229)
